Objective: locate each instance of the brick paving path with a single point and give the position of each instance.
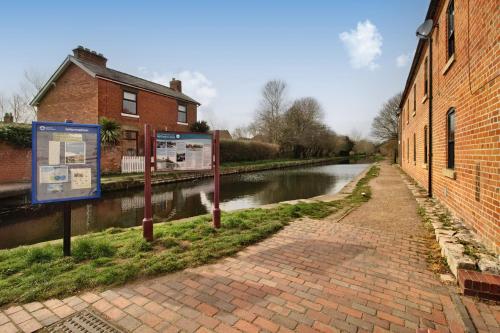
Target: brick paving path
(366, 273)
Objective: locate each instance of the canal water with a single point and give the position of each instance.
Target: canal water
(22, 224)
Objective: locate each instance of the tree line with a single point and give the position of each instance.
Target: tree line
(298, 126)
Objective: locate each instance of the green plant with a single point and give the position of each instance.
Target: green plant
(88, 248)
(110, 131)
(16, 134)
(200, 126)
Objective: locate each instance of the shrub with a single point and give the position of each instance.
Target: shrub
(110, 131)
(16, 134)
(242, 150)
(200, 127)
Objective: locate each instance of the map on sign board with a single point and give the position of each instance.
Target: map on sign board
(183, 151)
(65, 162)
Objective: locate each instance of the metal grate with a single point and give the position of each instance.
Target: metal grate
(82, 322)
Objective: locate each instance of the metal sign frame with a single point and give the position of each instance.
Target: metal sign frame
(34, 165)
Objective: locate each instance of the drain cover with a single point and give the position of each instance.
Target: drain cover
(82, 322)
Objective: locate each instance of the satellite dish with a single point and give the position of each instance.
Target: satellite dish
(425, 28)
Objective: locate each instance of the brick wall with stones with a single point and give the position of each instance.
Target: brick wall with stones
(467, 82)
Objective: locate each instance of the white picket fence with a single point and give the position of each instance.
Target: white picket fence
(131, 164)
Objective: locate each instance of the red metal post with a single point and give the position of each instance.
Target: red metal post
(216, 213)
(147, 222)
(154, 151)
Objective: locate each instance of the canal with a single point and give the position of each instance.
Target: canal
(21, 223)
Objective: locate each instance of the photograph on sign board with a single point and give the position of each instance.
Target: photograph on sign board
(74, 153)
(53, 174)
(55, 188)
(81, 178)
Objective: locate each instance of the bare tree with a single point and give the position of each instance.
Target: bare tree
(356, 135)
(243, 132)
(17, 108)
(385, 125)
(271, 109)
(3, 106)
(32, 82)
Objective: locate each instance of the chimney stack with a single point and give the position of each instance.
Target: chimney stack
(8, 118)
(87, 55)
(176, 85)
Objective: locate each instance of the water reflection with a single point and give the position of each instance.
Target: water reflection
(22, 224)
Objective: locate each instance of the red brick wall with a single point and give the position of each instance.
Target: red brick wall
(73, 97)
(157, 110)
(15, 164)
(470, 85)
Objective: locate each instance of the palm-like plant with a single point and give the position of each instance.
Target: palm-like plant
(110, 131)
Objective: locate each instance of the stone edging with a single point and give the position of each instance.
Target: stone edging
(459, 246)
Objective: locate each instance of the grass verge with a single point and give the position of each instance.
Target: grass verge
(116, 256)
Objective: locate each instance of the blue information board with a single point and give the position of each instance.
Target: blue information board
(66, 162)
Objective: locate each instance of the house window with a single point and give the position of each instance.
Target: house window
(181, 113)
(451, 138)
(425, 144)
(414, 97)
(426, 76)
(414, 148)
(450, 33)
(129, 103)
(129, 143)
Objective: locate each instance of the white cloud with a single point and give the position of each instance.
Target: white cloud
(194, 84)
(403, 60)
(364, 45)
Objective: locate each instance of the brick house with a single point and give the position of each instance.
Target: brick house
(464, 158)
(83, 89)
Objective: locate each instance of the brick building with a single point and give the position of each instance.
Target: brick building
(83, 89)
(460, 148)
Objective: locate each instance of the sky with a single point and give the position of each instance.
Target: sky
(349, 55)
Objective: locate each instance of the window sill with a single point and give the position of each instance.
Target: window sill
(181, 123)
(448, 65)
(424, 166)
(414, 113)
(424, 98)
(449, 173)
(130, 115)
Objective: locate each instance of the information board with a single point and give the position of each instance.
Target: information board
(65, 162)
(183, 151)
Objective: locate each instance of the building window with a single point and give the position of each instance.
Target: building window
(450, 133)
(425, 145)
(407, 150)
(414, 148)
(415, 97)
(181, 113)
(129, 143)
(129, 102)
(426, 76)
(450, 33)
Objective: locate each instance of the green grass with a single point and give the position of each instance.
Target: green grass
(117, 255)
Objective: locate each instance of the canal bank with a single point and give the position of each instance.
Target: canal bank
(127, 181)
(27, 224)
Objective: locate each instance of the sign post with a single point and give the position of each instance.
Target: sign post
(66, 166)
(147, 222)
(216, 212)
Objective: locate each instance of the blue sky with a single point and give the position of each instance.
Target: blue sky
(344, 53)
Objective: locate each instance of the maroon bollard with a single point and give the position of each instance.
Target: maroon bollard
(216, 212)
(147, 221)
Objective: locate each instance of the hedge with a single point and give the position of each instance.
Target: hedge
(242, 150)
(18, 135)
